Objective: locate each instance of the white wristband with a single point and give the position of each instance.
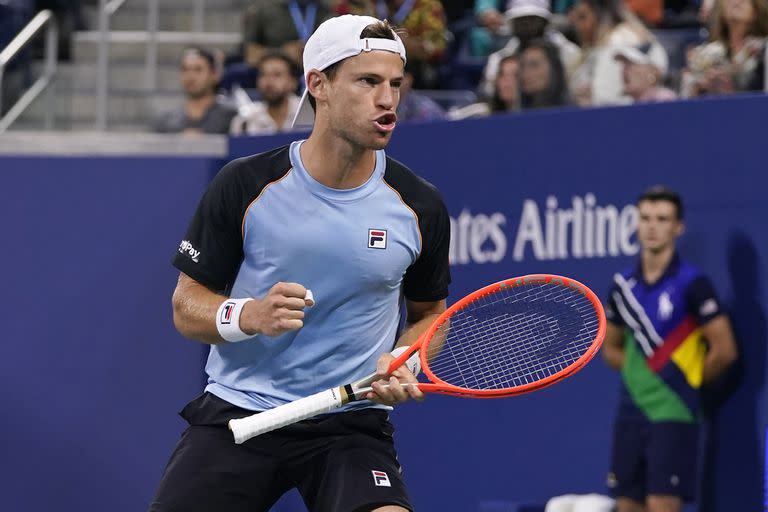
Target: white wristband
(412, 363)
(228, 320)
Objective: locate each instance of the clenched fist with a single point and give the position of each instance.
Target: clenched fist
(281, 310)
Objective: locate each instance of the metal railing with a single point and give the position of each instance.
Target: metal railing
(46, 81)
(106, 10)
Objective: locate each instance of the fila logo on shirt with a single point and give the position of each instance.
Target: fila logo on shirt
(226, 312)
(381, 479)
(377, 238)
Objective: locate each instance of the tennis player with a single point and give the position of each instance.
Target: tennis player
(667, 334)
(334, 216)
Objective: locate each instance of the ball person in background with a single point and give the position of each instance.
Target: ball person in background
(668, 335)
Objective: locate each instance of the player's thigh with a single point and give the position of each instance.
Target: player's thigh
(627, 477)
(672, 462)
(358, 470)
(657, 503)
(208, 471)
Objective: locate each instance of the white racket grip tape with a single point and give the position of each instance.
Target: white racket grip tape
(412, 363)
(309, 297)
(302, 409)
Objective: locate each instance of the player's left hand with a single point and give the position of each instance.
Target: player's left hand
(389, 390)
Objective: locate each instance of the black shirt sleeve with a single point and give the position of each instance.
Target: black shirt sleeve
(702, 300)
(427, 279)
(212, 249)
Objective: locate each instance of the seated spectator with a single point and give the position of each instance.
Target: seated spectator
(735, 58)
(643, 75)
(602, 27)
(505, 97)
(415, 106)
(201, 112)
(425, 32)
(542, 76)
(529, 20)
(281, 25)
(277, 87)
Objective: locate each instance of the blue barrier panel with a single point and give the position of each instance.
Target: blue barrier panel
(92, 371)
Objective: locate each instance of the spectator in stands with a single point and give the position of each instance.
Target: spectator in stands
(667, 333)
(415, 106)
(281, 25)
(277, 85)
(542, 76)
(643, 75)
(602, 27)
(201, 112)
(425, 32)
(505, 97)
(529, 20)
(735, 58)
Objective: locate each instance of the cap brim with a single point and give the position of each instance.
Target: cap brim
(305, 115)
(632, 55)
(528, 10)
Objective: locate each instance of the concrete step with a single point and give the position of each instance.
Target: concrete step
(130, 46)
(178, 17)
(123, 107)
(128, 76)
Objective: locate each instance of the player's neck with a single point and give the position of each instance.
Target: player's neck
(654, 263)
(336, 163)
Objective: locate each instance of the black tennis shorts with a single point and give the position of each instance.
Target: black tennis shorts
(339, 463)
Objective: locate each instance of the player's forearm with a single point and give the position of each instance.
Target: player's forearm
(613, 356)
(716, 363)
(420, 316)
(194, 315)
(413, 330)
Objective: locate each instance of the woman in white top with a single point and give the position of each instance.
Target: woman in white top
(604, 26)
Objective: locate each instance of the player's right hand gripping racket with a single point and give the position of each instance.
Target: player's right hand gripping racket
(512, 337)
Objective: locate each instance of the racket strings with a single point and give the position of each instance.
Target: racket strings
(512, 337)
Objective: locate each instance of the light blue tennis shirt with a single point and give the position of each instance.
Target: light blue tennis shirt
(356, 249)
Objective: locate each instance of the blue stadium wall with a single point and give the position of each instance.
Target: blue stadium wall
(93, 372)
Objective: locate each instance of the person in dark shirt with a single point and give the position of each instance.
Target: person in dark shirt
(668, 334)
(201, 112)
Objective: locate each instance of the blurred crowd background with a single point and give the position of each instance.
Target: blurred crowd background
(466, 59)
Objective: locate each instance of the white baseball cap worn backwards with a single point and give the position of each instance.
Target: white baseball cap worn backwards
(334, 40)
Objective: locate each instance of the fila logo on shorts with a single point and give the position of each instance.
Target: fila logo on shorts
(381, 479)
(377, 238)
(226, 312)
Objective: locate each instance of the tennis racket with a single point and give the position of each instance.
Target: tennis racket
(512, 337)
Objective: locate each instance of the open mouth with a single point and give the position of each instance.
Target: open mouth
(386, 123)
